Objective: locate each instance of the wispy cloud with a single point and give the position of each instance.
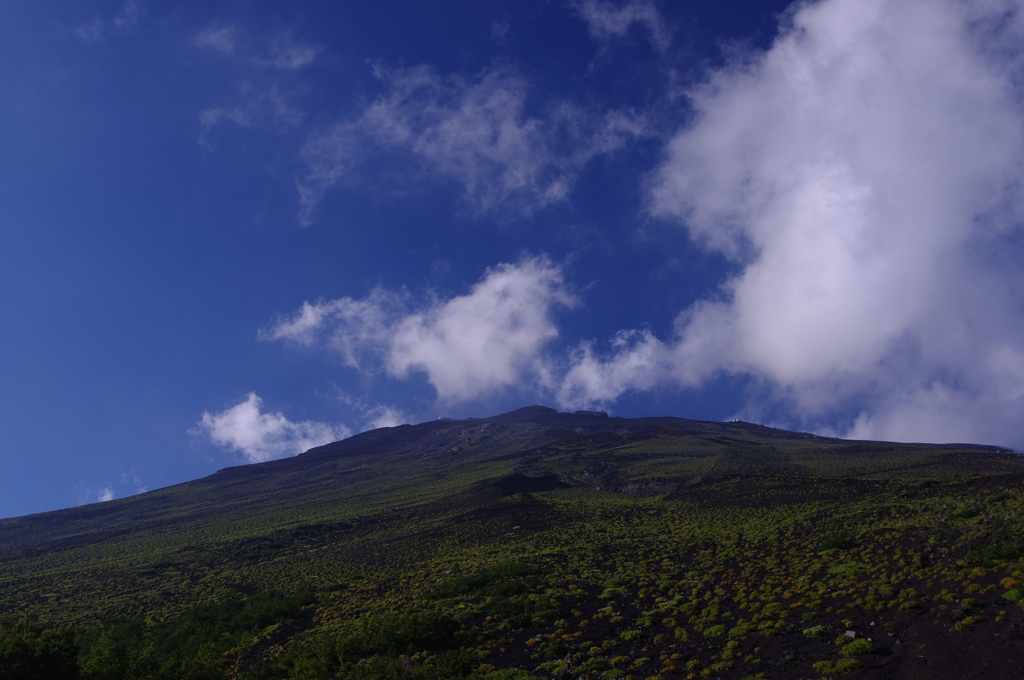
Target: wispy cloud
(223, 39)
(85, 494)
(255, 105)
(476, 132)
(130, 478)
(263, 436)
(125, 22)
(385, 416)
(264, 95)
(92, 31)
(288, 55)
(373, 416)
(357, 331)
(130, 16)
(489, 339)
(865, 174)
(608, 20)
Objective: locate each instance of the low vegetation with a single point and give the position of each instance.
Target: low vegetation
(733, 551)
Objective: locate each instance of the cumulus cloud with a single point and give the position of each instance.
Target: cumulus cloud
(476, 132)
(864, 174)
(606, 20)
(489, 339)
(263, 436)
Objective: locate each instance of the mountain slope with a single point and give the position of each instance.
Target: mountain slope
(640, 512)
(373, 471)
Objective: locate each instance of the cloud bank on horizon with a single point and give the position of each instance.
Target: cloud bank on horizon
(862, 176)
(864, 173)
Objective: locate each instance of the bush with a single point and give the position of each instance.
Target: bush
(394, 633)
(31, 653)
(846, 570)
(521, 611)
(838, 542)
(513, 674)
(837, 667)
(990, 556)
(714, 631)
(858, 647)
(501, 580)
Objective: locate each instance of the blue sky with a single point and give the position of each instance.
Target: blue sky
(229, 232)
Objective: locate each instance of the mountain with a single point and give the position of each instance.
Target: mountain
(658, 541)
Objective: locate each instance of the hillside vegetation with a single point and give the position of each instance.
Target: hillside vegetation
(537, 545)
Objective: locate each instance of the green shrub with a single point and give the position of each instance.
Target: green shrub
(31, 653)
(990, 556)
(837, 667)
(630, 634)
(394, 633)
(838, 542)
(501, 580)
(846, 570)
(513, 674)
(858, 647)
(521, 611)
(714, 631)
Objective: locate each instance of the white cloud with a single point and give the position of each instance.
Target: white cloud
(385, 416)
(475, 132)
(266, 91)
(864, 173)
(129, 18)
(265, 436)
(284, 53)
(469, 345)
(132, 479)
(373, 417)
(105, 494)
(91, 32)
(124, 23)
(358, 331)
(288, 56)
(488, 339)
(607, 20)
(223, 39)
(256, 105)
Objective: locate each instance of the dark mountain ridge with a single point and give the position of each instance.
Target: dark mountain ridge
(559, 544)
(520, 435)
